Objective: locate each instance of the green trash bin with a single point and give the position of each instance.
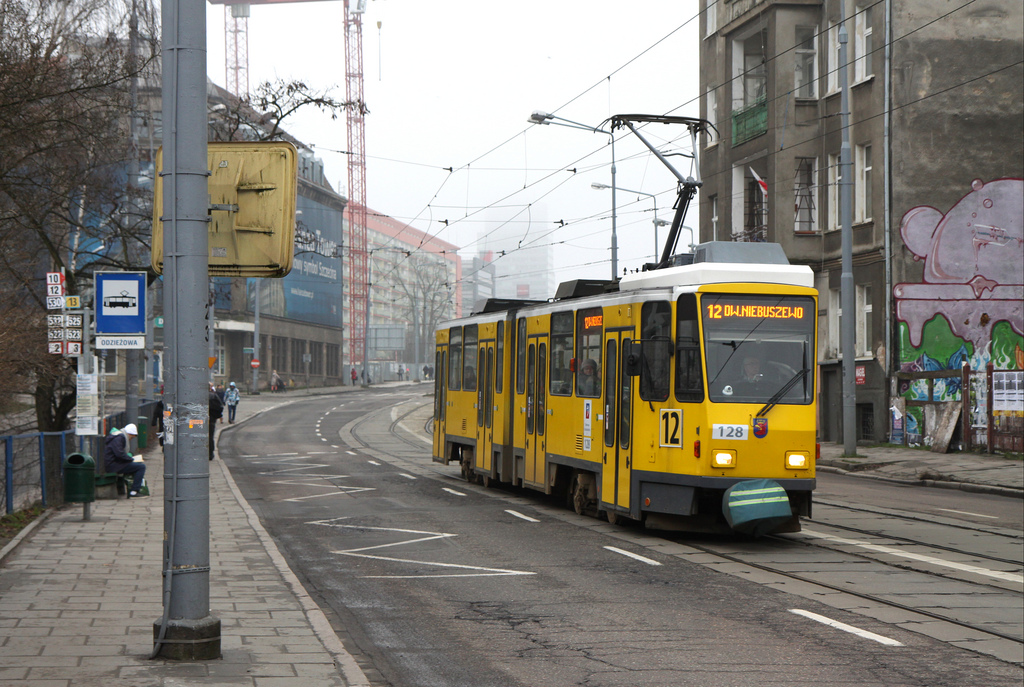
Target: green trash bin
(79, 478)
(143, 426)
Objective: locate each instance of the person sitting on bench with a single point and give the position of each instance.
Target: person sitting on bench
(118, 459)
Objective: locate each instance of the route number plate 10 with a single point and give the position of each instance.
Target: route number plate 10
(736, 432)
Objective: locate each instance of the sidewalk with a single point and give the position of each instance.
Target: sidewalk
(78, 599)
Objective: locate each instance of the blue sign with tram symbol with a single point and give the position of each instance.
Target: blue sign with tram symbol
(121, 303)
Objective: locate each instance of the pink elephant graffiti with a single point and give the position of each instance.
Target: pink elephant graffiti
(974, 270)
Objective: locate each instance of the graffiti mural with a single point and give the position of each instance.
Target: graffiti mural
(969, 305)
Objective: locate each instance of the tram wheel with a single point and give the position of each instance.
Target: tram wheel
(612, 516)
(579, 498)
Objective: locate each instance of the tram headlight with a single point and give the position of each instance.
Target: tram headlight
(796, 461)
(723, 459)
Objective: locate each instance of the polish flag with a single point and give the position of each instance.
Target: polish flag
(760, 182)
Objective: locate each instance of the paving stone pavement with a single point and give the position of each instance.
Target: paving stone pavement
(78, 598)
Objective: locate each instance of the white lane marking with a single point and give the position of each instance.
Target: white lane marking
(452, 491)
(963, 512)
(648, 561)
(402, 474)
(997, 574)
(520, 515)
(484, 572)
(846, 628)
(352, 453)
(278, 455)
(373, 462)
(335, 446)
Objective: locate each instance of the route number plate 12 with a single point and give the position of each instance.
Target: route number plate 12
(737, 432)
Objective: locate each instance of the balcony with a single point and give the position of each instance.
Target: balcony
(750, 122)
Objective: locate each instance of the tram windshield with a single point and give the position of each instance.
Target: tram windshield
(759, 349)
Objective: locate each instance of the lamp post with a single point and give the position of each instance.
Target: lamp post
(658, 223)
(538, 117)
(599, 186)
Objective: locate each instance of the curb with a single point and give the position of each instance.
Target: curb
(25, 531)
(935, 483)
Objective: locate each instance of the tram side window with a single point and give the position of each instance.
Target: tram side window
(561, 354)
(499, 363)
(455, 359)
(521, 356)
(589, 326)
(656, 338)
(469, 373)
(689, 370)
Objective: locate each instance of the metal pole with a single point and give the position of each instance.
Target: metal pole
(132, 356)
(187, 630)
(847, 330)
(615, 237)
(366, 318)
(211, 334)
(256, 337)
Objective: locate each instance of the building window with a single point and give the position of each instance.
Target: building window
(755, 214)
(221, 353)
(298, 351)
(316, 358)
(749, 95)
(332, 359)
(835, 313)
(863, 184)
(711, 17)
(805, 218)
(833, 59)
(108, 361)
(863, 320)
(834, 179)
(278, 353)
(806, 76)
(862, 44)
(711, 114)
(713, 201)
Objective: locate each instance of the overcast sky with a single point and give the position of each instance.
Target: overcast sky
(451, 83)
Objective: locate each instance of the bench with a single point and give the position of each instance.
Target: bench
(112, 485)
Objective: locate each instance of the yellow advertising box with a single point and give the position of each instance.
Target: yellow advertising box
(252, 188)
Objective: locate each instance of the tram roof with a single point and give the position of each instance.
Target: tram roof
(722, 262)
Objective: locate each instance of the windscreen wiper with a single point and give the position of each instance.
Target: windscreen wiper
(777, 396)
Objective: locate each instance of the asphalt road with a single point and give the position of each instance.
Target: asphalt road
(430, 581)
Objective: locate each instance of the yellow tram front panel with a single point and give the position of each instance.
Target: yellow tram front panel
(759, 355)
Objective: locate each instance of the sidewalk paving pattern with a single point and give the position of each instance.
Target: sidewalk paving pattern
(78, 599)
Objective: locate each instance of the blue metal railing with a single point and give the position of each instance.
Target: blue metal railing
(30, 458)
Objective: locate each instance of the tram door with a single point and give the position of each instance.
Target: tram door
(485, 409)
(440, 398)
(536, 409)
(618, 394)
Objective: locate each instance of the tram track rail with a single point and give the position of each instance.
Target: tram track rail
(881, 600)
(845, 590)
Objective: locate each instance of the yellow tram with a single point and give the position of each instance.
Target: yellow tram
(681, 397)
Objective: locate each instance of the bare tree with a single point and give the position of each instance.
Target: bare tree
(65, 76)
(259, 117)
(425, 284)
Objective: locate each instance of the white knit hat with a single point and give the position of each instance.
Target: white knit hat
(131, 429)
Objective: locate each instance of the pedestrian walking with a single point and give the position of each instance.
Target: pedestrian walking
(400, 371)
(232, 397)
(117, 458)
(276, 384)
(216, 413)
(354, 376)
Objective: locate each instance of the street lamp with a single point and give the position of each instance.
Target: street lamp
(538, 117)
(599, 186)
